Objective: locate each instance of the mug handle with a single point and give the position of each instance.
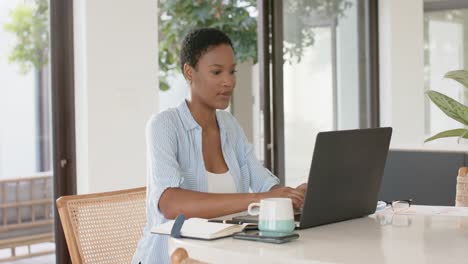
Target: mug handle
(251, 209)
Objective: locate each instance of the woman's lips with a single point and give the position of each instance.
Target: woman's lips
(225, 95)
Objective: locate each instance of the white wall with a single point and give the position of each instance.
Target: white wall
(116, 91)
(401, 70)
(243, 99)
(18, 135)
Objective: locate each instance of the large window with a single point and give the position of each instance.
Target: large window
(324, 63)
(26, 212)
(325, 73)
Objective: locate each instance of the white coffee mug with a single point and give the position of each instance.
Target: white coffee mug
(275, 214)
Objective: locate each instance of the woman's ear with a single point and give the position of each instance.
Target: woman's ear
(188, 72)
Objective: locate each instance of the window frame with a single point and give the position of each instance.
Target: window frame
(63, 112)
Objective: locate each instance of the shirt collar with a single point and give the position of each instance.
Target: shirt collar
(189, 122)
(187, 119)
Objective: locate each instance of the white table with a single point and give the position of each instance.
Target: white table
(422, 235)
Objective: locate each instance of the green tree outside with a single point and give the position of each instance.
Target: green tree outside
(238, 19)
(29, 24)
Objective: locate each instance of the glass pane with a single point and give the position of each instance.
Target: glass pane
(320, 77)
(26, 211)
(445, 50)
(308, 104)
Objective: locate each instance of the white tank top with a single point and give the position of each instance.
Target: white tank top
(220, 182)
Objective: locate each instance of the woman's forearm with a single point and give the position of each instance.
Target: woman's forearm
(175, 201)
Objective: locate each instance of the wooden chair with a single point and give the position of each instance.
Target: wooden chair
(461, 198)
(103, 227)
(180, 256)
(26, 217)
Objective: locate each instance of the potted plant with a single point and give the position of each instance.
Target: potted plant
(458, 112)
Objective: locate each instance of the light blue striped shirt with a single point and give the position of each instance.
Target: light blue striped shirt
(175, 159)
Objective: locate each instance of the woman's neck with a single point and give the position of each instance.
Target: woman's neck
(203, 115)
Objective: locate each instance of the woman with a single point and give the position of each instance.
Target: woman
(200, 163)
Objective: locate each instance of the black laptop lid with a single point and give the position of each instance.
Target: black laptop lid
(345, 175)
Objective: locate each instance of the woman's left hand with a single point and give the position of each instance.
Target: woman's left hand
(302, 188)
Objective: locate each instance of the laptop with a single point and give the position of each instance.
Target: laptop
(345, 176)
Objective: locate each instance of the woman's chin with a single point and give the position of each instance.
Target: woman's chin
(222, 105)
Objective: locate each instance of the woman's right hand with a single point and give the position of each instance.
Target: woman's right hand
(296, 196)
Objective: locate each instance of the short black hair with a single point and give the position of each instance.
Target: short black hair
(197, 42)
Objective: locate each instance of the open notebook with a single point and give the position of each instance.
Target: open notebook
(200, 228)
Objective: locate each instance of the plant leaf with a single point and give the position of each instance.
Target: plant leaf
(460, 76)
(449, 106)
(163, 86)
(460, 132)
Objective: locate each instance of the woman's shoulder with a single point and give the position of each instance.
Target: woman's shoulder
(166, 119)
(230, 123)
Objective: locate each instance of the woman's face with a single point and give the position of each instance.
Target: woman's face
(213, 79)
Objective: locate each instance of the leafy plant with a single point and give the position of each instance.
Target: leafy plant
(451, 107)
(237, 18)
(29, 23)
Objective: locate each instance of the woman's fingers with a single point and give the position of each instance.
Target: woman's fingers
(296, 193)
(297, 197)
(297, 203)
(302, 188)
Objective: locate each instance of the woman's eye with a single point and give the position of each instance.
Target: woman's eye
(216, 72)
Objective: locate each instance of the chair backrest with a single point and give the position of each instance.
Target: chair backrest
(103, 227)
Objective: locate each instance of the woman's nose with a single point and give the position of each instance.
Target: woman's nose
(229, 81)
